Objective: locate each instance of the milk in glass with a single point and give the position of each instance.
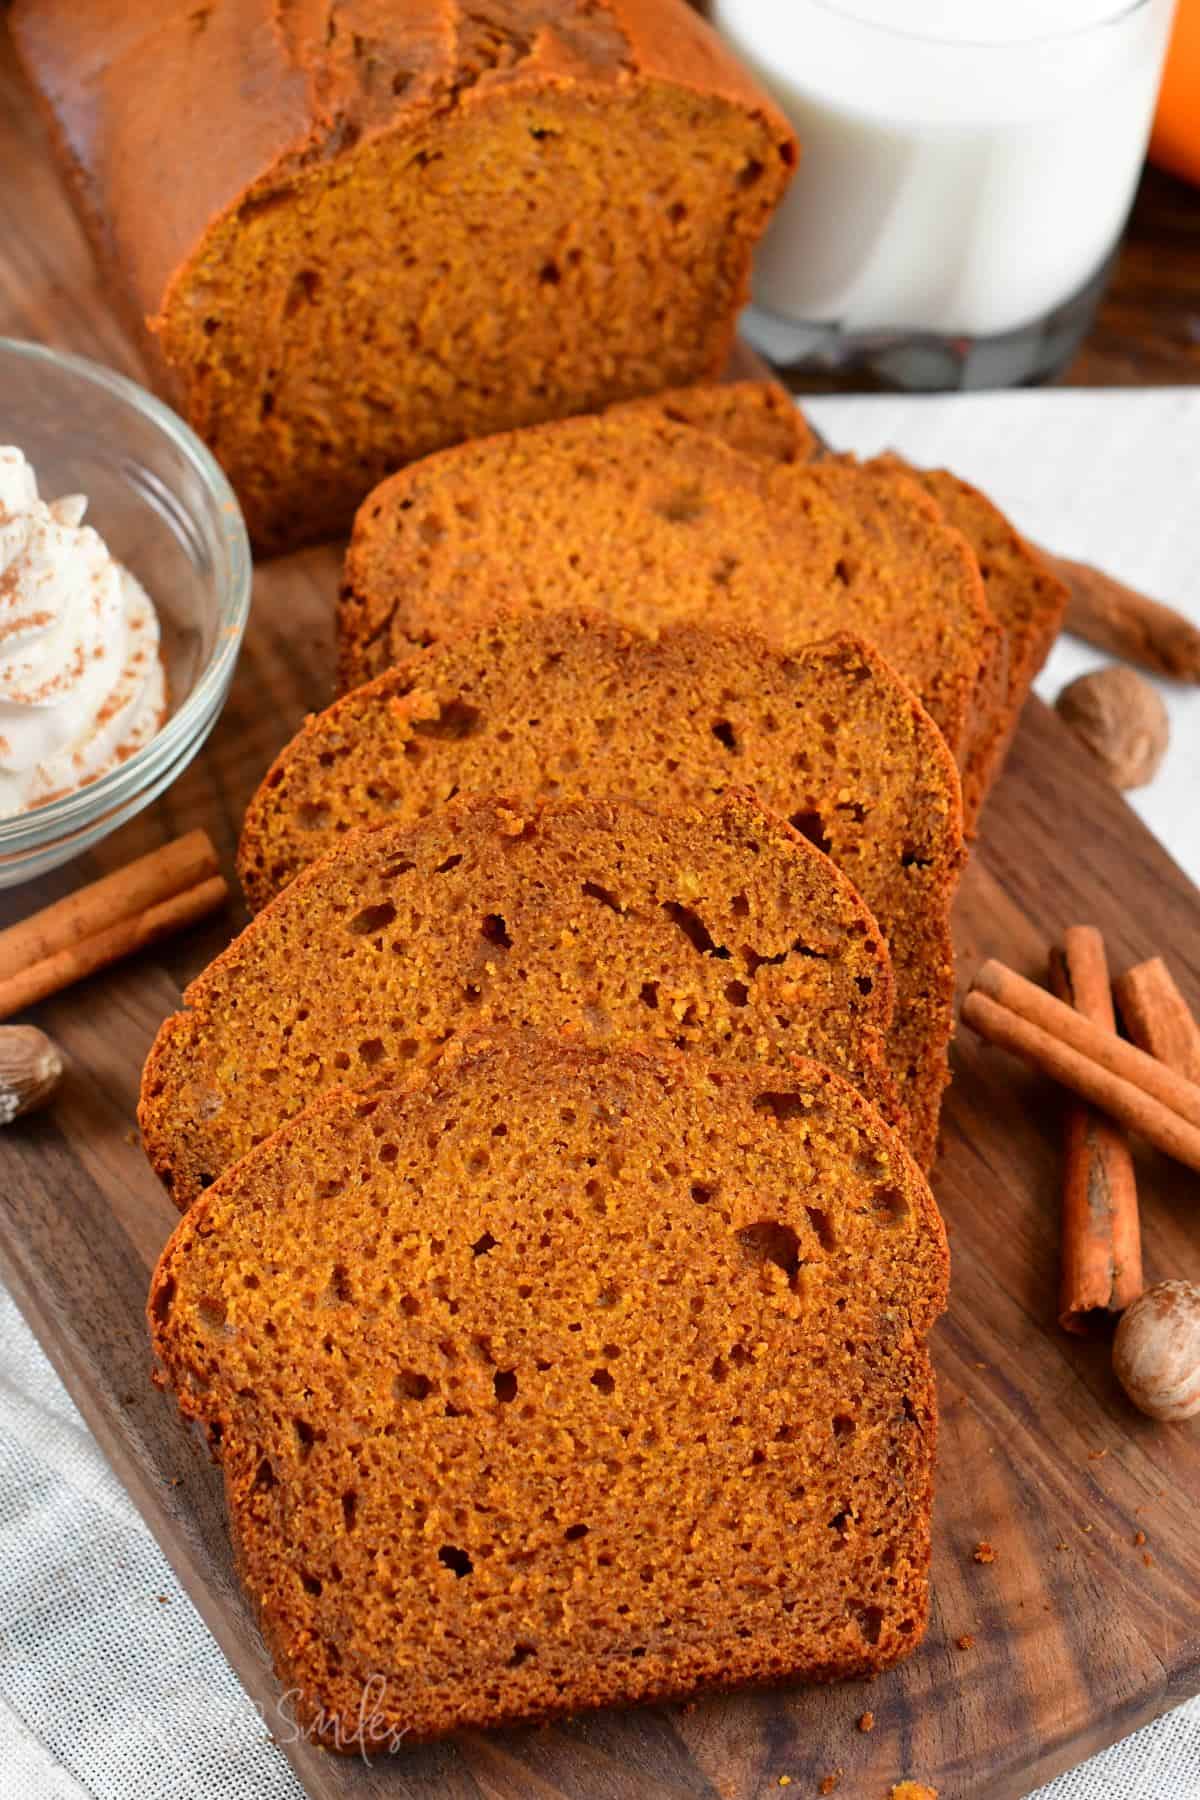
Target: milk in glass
(966, 165)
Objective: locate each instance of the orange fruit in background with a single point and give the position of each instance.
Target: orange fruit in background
(1175, 144)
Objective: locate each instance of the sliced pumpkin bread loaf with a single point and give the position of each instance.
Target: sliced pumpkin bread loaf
(654, 521)
(721, 931)
(566, 1378)
(570, 703)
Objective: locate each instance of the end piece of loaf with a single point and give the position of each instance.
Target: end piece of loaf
(721, 932)
(566, 1379)
(354, 234)
(571, 703)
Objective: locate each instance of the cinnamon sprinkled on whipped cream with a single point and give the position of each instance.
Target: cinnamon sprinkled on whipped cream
(82, 685)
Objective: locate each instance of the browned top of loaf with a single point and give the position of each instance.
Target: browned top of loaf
(721, 931)
(248, 93)
(566, 1379)
(564, 704)
(656, 521)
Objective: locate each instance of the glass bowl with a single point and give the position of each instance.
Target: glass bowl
(166, 511)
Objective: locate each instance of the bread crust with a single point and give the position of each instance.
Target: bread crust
(1026, 597)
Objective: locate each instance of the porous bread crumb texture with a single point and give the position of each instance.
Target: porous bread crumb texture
(722, 932)
(567, 703)
(569, 1378)
(461, 219)
(654, 521)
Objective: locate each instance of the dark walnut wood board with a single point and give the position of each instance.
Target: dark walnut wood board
(1077, 1637)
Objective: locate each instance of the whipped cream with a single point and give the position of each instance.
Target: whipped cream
(82, 684)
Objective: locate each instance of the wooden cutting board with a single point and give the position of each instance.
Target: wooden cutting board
(1069, 1639)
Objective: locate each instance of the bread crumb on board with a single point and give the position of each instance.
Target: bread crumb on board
(867, 1722)
(966, 1641)
(913, 1790)
(1139, 1538)
(830, 1782)
(982, 1553)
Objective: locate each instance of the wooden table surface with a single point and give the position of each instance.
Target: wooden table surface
(1147, 333)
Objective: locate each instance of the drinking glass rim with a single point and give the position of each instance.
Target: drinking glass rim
(845, 9)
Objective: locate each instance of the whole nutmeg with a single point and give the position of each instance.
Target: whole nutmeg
(1121, 719)
(1156, 1352)
(30, 1070)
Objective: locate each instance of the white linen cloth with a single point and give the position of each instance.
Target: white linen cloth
(111, 1687)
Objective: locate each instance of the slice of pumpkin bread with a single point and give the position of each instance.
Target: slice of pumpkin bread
(655, 521)
(572, 703)
(721, 931)
(566, 1378)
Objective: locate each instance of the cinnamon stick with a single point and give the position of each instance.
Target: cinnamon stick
(51, 974)
(174, 867)
(1158, 1018)
(1122, 1100)
(1101, 1235)
(1118, 618)
(1125, 1061)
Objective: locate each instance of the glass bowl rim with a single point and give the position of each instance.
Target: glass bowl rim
(43, 823)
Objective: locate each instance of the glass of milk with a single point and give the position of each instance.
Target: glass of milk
(966, 169)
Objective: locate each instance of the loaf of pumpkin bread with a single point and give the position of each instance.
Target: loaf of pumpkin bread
(568, 703)
(565, 1378)
(720, 931)
(355, 233)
